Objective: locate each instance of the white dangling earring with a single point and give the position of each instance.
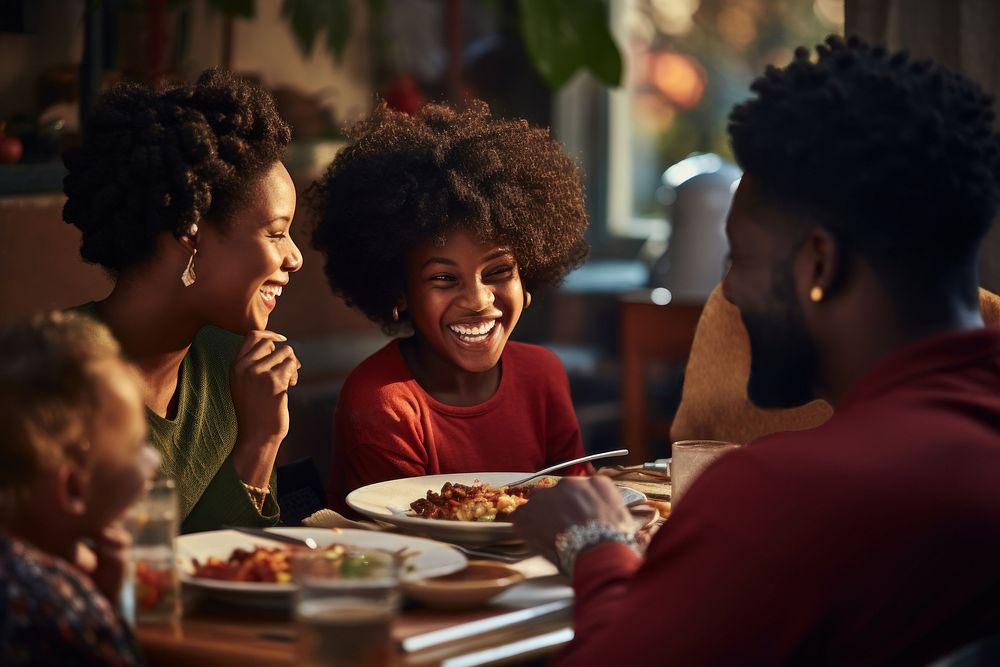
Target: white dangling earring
(188, 277)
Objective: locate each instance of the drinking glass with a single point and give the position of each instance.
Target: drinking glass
(689, 459)
(152, 592)
(345, 606)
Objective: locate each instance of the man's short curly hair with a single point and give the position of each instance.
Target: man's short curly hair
(156, 160)
(407, 179)
(898, 159)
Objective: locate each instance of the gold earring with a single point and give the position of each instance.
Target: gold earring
(395, 313)
(816, 294)
(188, 277)
(77, 506)
(527, 299)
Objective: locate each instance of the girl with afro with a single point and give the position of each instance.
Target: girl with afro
(441, 223)
(179, 192)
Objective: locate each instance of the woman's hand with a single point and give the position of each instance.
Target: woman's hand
(105, 564)
(259, 380)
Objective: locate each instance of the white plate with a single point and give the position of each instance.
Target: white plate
(372, 501)
(432, 559)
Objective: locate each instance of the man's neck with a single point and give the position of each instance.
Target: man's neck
(875, 335)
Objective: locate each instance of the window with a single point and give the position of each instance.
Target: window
(687, 63)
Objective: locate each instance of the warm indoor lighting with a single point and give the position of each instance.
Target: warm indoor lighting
(737, 26)
(778, 56)
(653, 113)
(680, 78)
(830, 11)
(674, 17)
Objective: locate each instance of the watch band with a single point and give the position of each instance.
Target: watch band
(573, 541)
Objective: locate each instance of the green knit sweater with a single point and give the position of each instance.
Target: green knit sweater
(196, 444)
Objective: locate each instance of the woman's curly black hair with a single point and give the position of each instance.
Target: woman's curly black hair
(899, 159)
(156, 160)
(407, 179)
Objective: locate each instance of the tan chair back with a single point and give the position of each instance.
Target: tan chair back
(714, 403)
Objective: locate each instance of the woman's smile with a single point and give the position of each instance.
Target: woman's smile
(270, 293)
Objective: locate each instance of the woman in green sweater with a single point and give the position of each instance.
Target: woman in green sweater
(180, 194)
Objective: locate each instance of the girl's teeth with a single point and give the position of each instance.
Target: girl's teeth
(475, 331)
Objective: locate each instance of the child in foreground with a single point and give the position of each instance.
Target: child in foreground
(73, 439)
(441, 223)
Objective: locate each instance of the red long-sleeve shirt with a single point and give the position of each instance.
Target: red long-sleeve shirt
(388, 427)
(871, 540)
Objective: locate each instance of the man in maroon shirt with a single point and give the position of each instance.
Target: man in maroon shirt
(869, 183)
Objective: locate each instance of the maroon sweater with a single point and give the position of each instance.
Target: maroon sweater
(873, 539)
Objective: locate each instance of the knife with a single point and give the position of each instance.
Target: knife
(473, 628)
(277, 537)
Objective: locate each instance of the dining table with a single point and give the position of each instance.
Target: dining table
(211, 632)
(524, 625)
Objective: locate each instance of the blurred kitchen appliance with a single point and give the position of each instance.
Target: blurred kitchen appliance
(701, 188)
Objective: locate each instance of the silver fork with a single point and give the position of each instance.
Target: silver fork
(566, 464)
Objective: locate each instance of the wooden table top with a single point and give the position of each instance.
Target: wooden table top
(210, 633)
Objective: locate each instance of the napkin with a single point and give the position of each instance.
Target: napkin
(654, 483)
(327, 518)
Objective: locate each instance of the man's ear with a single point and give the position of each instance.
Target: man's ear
(71, 488)
(819, 266)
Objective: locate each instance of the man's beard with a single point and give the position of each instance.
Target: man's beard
(783, 359)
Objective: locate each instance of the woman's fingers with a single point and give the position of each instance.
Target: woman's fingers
(262, 356)
(280, 367)
(257, 345)
(259, 339)
(259, 382)
(257, 335)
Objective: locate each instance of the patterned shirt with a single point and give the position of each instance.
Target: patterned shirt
(50, 614)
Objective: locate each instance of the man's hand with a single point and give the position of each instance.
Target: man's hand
(574, 501)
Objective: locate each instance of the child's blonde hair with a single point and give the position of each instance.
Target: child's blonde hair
(48, 396)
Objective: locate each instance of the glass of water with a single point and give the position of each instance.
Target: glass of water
(153, 587)
(346, 601)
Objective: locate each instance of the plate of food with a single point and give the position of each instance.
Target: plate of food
(248, 570)
(471, 509)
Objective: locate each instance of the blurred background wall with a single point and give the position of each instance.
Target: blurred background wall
(636, 90)
(961, 34)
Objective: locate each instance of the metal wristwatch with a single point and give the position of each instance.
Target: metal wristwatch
(573, 541)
